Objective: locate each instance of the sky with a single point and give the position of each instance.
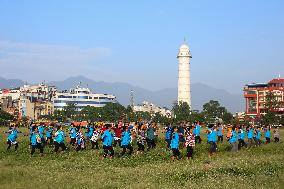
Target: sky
(233, 43)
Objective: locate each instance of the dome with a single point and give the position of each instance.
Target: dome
(184, 51)
(184, 46)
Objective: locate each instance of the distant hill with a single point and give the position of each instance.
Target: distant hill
(10, 83)
(201, 93)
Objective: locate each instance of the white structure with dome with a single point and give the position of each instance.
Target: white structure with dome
(184, 57)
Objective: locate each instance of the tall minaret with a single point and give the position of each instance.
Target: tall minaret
(184, 56)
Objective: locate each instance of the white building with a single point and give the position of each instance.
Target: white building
(184, 56)
(151, 108)
(15, 94)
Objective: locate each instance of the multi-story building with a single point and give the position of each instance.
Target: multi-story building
(151, 108)
(255, 97)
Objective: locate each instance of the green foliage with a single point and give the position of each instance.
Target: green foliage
(212, 110)
(182, 112)
(5, 115)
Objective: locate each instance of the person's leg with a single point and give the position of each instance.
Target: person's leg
(130, 149)
(187, 152)
(33, 149)
(123, 150)
(62, 146)
(105, 151)
(9, 144)
(190, 154)
(111, 151)
(154, 143)
(56, 146)
(16, 146)
(93, 144)
(40, 147)
(97, 145)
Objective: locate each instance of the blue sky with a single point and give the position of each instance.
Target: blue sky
(232, 42)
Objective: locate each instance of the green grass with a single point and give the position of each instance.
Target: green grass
(261, 167)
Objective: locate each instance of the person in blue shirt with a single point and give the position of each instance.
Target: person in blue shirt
(89, 132)
(168, 136)
(80, 141)
(211, 139)
(175, 144)
(107, 138)
(220, 132)
(12, 137)
(125, 141)
(267, 134)
(36, 141)
(196, 132)
(49, 134)
(41, 133)
(233, 140)
(241, 138)
(59, 140)
(250, 136)
(72, 135)
(257, 136)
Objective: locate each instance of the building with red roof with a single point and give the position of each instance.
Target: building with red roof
(255, 97)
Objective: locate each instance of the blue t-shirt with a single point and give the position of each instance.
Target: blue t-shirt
(34, 138)
(175, 141)
(233, 138)
(41, 131)
(73, 132)
(168, 134)
(13, 135)
(241, 135)
(196, 130)
(250, 133)
(126, 138)
(90, 131)
(219, 131)
(258, 134)
(49, 132)
(267, 133)
(107, 138)
(212, 136)
(60, 136)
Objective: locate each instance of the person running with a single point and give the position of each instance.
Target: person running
(276, 135)
(125, 141)
(117, 133)
(189, 143)
(267, 134)
(141, 138)
(175, 144)
(233, 140)
(250, 136)
(49, 133)
(41, 132)
(72, 135)
(211, 139)
(196, 132)
(36, 142)
(257, 136)
(220, 132)
(12, 137)
(150, 137)
(241, 138)
(95, 138)
(107, 138)
(59, 140)
(168, 135)
(80, 141)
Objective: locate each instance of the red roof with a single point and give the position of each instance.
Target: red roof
(279, 80)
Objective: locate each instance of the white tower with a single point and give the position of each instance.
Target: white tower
(184, 57)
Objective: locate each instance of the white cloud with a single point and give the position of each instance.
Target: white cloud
(37, 62)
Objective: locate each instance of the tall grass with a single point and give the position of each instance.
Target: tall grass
(261, 167)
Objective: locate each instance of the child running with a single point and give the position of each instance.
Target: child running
(220, 132)
(267, 134)
(141, 138)
(95, 138)
(36, 142)
(59, 140)
(233, 140)
(189, 143)
(125, 141)
(241, 138)
(12, 137)
(175, 144)
(80, 142)
(196, 132)
(72, 135)
(211, 138)
(276, 135)
(107, 138)
(49, 133)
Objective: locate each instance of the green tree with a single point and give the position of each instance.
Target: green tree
(212, 110)
(271, 105)
(181, 112)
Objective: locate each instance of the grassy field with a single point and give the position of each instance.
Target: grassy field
(261, 167)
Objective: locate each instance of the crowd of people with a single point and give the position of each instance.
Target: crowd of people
(145, 135)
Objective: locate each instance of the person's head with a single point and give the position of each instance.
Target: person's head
(234, 128)
(59, 127)
(34, 128)
(108, 126)
(175, 128)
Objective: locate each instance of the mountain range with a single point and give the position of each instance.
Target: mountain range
(201, 93)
